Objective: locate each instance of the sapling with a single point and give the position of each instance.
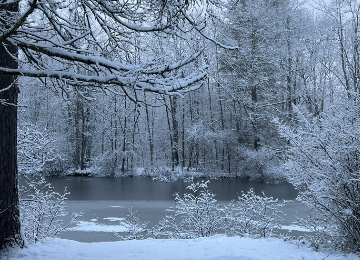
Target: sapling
(136, 228)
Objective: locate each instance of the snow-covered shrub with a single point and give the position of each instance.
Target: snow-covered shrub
(260, 165)
(163, 173)
(196, 214)
(136, 228)
(106, 164)
(41, 210)
(37, 149)
(322, 232)
(168, 228)
(252, 215)
(166, 174)
(109, 163)
(324, 164)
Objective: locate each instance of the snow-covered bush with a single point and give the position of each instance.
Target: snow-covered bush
(106, 164)
(37, 149)
(197, 214)
(323, 231)
(254, 215)
(110, 163)
(164, 173)
(260, 165)
(41, 210)
(324, 164)
(136, 228)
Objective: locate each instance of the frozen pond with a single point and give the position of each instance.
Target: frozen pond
(105, 201)
(144, 188)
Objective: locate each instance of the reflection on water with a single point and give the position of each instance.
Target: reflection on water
(144, 188)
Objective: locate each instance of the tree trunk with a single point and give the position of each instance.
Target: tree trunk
(83, 135)
(183, 137)
(174, 133)
(9, 197)
(150, 130)
(173, 130)
(124, 133)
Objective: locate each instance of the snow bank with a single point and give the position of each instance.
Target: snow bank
(213, 248)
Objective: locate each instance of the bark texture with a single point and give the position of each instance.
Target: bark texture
(9, 198)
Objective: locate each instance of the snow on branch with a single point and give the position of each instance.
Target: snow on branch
(90, 41)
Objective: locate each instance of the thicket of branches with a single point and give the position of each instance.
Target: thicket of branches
(322, 159)
(42, 211)
(199, 214)
(323, 163)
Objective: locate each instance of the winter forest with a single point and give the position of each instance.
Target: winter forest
(267, 90)
(265, 60)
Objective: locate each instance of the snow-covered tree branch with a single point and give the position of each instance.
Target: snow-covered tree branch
(58, 39)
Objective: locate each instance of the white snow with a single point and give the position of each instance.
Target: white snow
(113, 219)
(86, 226)
(212, 248)
(296, 228)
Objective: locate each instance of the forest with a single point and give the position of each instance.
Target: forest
(264, 90)
(265, 60)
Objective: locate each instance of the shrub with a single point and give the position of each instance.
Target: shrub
(135, 227)
(164, 173)
(253, 215)
(197, 214)
(324, 164)
(260, 165)
(38, 150)
(41, 210)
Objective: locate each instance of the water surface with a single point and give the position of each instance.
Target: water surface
(144, 188)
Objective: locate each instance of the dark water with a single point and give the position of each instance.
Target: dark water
(144, 188)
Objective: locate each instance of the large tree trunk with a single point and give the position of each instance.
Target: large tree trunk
(9, 197)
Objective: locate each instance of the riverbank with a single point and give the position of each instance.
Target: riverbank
(211, 248)
(161, 173)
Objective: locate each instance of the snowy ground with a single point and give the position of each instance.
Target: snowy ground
(95, 227)
(213, 248)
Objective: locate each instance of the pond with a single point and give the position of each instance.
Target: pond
(103, 202)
